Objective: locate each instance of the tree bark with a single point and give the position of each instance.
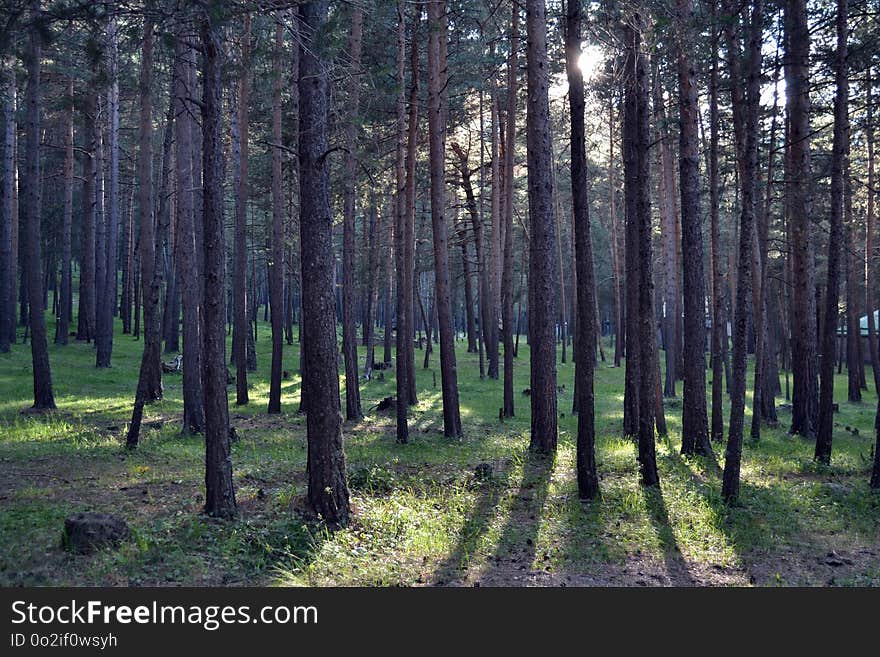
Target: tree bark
(187, 261)
(587, 476)
(276, 266)
(745, 114)
(353, 410)
(805, 397)
(694, 421)
(62, 328)
(437, 103)
(542, 241)
(86, 312)
(8, 248)
(44, 397)
(839, 156)
(111, 216)
(150, 379)
(507, 273)
(403, 336)
(219, 488)
(239, 255)
(327, 491)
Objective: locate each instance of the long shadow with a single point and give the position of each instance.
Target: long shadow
(455, 566)
(517, 545)
(676, 566)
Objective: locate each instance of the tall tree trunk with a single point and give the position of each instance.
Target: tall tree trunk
(86, 313)
(542, 241)
(44, 397)
(150, 379)
(805, 397)
(276, 266)
(839, 156)
(668, 230)
(187, 261)
(219, 488)
(507, 273)
(854, 356)
(327, 492)
(437, 102)
(409, 223)
(694, 421)
(587, 476)
(402, 334)
(616, 273)
(641, 336)
(353, 410)
(8, 246)
(745, 114)
(870, 249)
(108, 308)
(62, 328)
(239, 254)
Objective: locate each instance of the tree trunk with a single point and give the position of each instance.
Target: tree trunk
(187, 262)
(44, 397)
(239, 254)
(62, 328)
(839, 156)
(276, 266)
(150, 379)
(86, 313)
(870, 249)
(507, 273)
(542, 240)
(219, 488)
(668, 230)
(587, 476)
(8, 224)
(327, 492)
(694, 423)
(745, 114)
(108, 307)
(349, 338)
(805, 397)
(437, 102)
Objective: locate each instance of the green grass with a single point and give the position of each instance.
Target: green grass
(422, 514)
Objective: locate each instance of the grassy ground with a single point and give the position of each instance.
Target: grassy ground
(423, 515)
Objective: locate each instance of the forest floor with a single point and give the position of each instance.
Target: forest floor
(424, 514)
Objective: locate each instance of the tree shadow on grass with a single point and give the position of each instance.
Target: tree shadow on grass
(676, 566)
(491, 490)
(515, 553)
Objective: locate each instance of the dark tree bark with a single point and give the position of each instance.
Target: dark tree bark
(409, 225)
(745, 116)
(44, 397)
(668, 232)
(127, 250)
(805, 395)
(353, 410)
(8, 247)
(437, 102)
(719, 321)
(641, 332)
(587, 476)
(219, 489)
(694, 421)
(870, 249)
(86, 313)
(507, 273)
(150, 379)
(276, 266)
(839, 156)
(542, 241)
(619, 290)
(62, 328)
(854, 357)
(239, 253)
(328, 491)
(403, 335)
(187, 260)
(104, 345)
